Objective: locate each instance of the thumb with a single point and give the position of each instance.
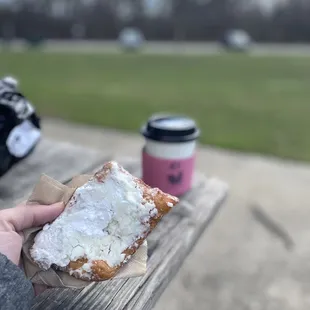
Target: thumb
(28, 216)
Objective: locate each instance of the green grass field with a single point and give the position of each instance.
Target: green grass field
(244, 103)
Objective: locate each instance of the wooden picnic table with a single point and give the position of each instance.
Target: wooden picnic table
(168, 245)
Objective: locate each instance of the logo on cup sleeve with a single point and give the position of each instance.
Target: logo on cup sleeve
(176, 175)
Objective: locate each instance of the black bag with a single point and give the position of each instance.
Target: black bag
(20, 129)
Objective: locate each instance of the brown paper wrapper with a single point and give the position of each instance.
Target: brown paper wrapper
(49, 191)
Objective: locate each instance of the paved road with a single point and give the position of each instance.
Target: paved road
(166, 48)
(256, 255)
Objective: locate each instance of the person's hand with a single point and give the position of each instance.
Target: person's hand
(14, 221)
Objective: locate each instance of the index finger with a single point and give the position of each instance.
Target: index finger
(23, 217)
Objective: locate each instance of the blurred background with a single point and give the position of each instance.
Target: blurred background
(241, 68)
(242, 102)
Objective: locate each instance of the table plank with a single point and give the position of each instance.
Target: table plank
(169, 244)
(190, 229)
(58, 160)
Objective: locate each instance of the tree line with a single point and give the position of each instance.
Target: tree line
(183, 20)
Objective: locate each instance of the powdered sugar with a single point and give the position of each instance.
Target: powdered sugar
(169, 204)
(100, 222)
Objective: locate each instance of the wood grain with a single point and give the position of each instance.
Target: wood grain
(169, 244)
(58, 160)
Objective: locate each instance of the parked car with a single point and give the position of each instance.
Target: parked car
(237, 40)
(131, 39)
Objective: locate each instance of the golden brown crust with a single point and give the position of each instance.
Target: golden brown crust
(100, 269)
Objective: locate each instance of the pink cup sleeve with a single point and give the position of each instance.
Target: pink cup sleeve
(171, 176)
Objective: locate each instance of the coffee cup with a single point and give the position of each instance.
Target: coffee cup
(168, 157)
